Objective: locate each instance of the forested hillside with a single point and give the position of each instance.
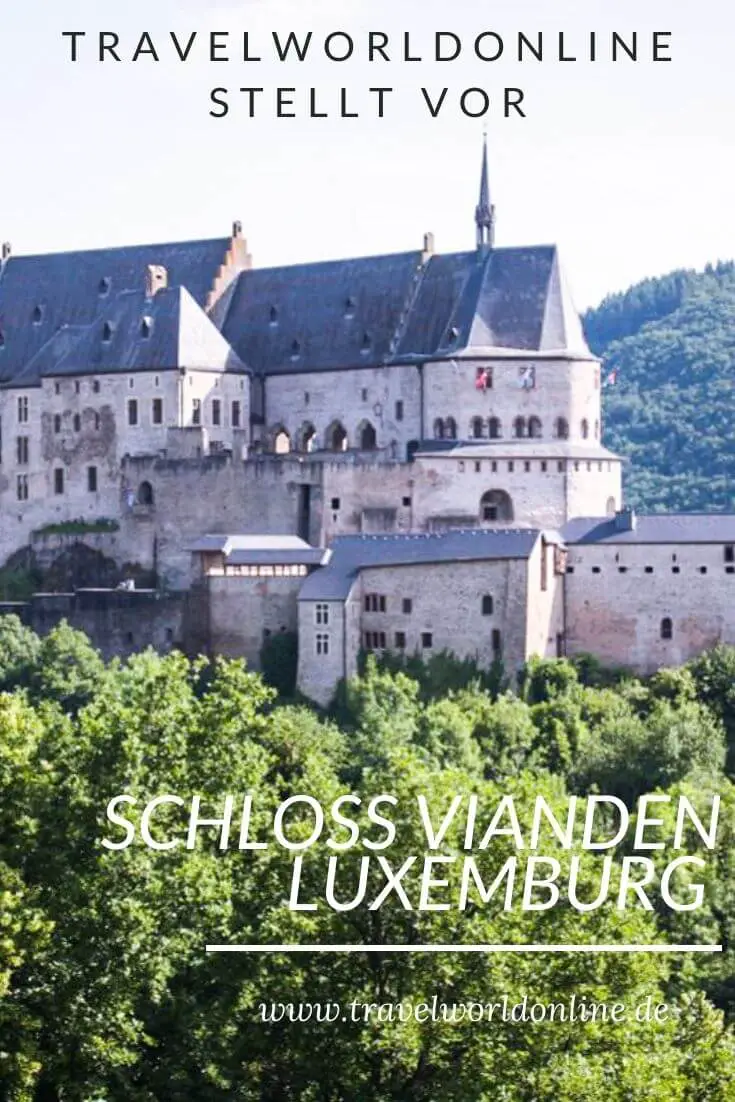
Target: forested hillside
(107, 993)
(670, 343)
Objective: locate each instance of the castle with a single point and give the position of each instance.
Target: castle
(397, 451)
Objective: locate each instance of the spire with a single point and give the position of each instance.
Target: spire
(485, 211)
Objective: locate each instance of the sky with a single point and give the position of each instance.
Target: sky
(628, 168)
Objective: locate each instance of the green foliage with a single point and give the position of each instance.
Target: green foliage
(106, 991)
(279, 658)
(671, 342)
(79, 527)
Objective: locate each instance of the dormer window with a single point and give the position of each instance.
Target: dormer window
(146, 327)
(274, 316)
(107, 331)
(37, 315)
(366, 342)
(104, 286)
(349, 307)
(453, 334)
(295, 350)
(2, 339)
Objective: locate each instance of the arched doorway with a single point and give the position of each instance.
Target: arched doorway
(145, 494)
(281, 441)
(496, 507)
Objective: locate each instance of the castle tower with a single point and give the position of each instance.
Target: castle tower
(485, 211)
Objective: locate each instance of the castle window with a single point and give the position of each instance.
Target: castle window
(216, 411)
(497, 642)
(22, 410)
(399, 411)
(544, 466)
(57, 423)
(281, 441)
(675, 569)
(534, 428)
(729, 552)
(493, 427)
(107, 331)
(438, 429)
(58, 480)
(374, 602)
(374, 640)
(496, 505)
(585, 428)
(400, 640)
(450, 428)
(2, 339)
(406, 502)
(77, 422)
(321, 614)
(511, 466)
(576, 464)
(37, 315)
(95, 386)
(92, 480)
(667, 628)
(146, 328)
(560, 468)
(597, 430)
(364, 394)
(562, 428)
(273, 316)
(427, 640)
(57, 388)
(235, 415)
(145, 494)
(131, 382)
(478, 466)
(526, 466)
(519, 427)
(476, 427)
(570, 570)
(703, 570)
(494, 466)
(132, 411)
(196, 411)
(622, 570)
(336, 437)
(21, 487)
(406, 606)
(595, 570)
(487, 605)
(589, 465)
(335, 505)
(22, 450)
(322, 643)
(648, 570)
(295, 350)
(366, 342)
(157, 411)
(97, 422)
(349, 306)
(77, 386)
(367, 436)
(610, 507)
(103, 288)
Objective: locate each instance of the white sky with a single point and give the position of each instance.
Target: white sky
(630, 169)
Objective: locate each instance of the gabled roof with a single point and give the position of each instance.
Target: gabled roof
(135, 333)
(242, 550)
(400, 308)
(39, 294)
(663, 528)
(351, 554)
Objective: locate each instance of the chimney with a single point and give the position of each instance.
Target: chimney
(428, 247)
(7, 249)
(156, 279)
(237, 229)
(625, 520)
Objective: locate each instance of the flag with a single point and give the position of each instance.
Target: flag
(482, 379)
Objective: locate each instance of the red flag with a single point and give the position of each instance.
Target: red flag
(481, 379)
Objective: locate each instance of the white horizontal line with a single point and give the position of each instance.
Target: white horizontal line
(521, 948)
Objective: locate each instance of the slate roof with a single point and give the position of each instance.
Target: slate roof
(391, 309)
(68, 288)
(256, 550)
(135, 333)
(351, 554)
(663, 528)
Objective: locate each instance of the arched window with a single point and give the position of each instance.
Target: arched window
(497, 641)
(585, 428)
(667, 628)
(496, 505)
(519, 427)
(493, 427)
(476, 428)
(281, 441)
(336, 437)
(450, 428)
(610, 507)
(562, 428)
(367, 437)
(145, 494)
(487, 605)
(534, 428)
(307, 437)
(438, 429)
